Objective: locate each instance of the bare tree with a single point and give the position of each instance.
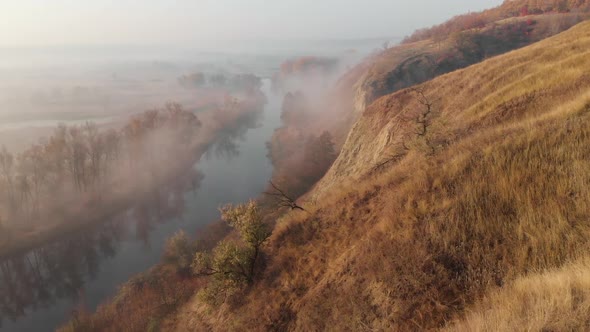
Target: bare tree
(7, 169)
(32, 165)
(95, 149)
(77, 152)
(24, 187)
(55, 151)
(282, 198)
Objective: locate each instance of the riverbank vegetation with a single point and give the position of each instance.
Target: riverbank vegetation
(60, 270)
(82, 174)
(141, 304)
(217, 267)
(300, 156)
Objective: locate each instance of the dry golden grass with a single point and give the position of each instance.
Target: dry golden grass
(140, 305)
(504, 90)
(414, 245)
(558, 300)
(409, 64)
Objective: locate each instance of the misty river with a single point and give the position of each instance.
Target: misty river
(41, 289)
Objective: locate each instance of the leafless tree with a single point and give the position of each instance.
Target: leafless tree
(77, 152)
(7, 169)
(95, 149)
(282, 198)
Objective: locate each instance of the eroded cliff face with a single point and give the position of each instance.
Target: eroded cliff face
(375, 136)
(389, 128)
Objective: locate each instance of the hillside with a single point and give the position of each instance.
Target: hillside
(508, 9)
(556, 300)
(468, 104)
(442, 194)
(443, 51)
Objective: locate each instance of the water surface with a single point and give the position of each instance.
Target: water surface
(39, 290)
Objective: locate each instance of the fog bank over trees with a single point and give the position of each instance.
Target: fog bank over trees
(82, 174)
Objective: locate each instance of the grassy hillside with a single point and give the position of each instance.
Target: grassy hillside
(508, 9)
(443, 51)
(441, 194)
(496, 92)
(557, 300)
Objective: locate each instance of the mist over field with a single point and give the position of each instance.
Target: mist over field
(294, 165)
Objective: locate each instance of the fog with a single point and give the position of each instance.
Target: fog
(215, 25)
(85, 131)
(67, 61)
(91, 136)
(113, 113)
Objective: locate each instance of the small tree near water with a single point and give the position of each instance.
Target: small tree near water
(179, 251)
(232, 264)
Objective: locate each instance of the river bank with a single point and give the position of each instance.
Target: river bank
(88, 209)
(86, 267)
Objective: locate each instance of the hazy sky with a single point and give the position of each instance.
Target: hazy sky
(59, 22)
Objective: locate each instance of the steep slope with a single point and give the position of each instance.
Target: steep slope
(500, 90)
(557, 300)
(487, 179)
(446, 50)
(509, 8)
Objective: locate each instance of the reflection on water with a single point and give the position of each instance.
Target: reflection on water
(55, 271)
(39, 290)
(226, 144)
(60, 269)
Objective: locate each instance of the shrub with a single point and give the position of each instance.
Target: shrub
(179, 251)
(231, 264)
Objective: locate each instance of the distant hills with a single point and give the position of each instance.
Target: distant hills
(508, 9)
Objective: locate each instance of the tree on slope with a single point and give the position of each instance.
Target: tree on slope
(232, 264)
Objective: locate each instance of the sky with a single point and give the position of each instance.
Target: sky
(143, 22)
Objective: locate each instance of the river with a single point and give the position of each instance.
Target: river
(38, 291)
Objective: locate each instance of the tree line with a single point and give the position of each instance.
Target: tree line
(79, 164)
(59, 270)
